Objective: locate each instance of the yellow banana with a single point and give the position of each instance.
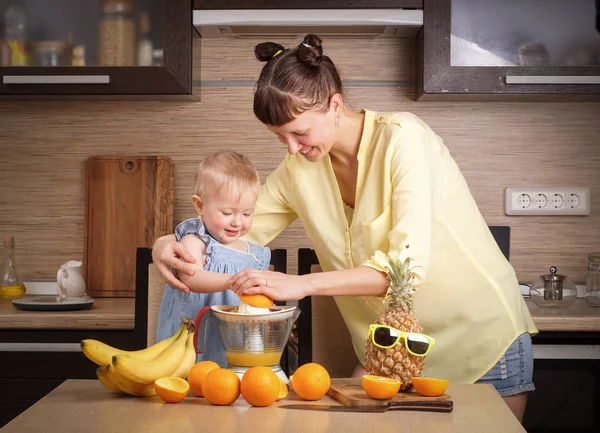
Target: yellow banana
(102, 353)
(102, 375)
(163, 365)
(129, 386)
(189, 359)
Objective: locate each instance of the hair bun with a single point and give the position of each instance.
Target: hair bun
(266, 50)
(310, 51)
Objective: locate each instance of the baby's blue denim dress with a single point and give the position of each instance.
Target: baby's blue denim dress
(175, 304)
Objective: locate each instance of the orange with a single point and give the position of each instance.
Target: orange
(171, 389)
(221, 386)
(259, 301)
(283, 390)
(311, 381)
(429, 386)
(380, 388)
(260, 386)
(198, 373)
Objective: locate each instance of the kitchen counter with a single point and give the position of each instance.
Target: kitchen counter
(118, 314)
(85, 405)
(106, 314)
(577, 317)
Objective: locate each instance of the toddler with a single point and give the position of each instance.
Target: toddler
(225, 192)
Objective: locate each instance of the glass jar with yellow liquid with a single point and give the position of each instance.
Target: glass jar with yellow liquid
(11, 285)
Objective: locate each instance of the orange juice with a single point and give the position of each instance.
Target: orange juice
(249, 359)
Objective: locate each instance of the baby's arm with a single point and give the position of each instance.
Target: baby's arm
(202, 281)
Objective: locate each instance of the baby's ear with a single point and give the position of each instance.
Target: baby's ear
(197, 202)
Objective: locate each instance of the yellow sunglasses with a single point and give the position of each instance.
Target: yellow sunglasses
(385, 337)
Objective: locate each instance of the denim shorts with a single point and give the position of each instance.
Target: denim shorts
(513, 373)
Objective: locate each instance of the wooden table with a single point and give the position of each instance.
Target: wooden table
(84, 405)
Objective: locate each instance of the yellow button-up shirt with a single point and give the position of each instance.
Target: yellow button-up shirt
(409, 192)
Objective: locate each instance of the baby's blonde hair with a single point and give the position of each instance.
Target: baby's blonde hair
(231, 172)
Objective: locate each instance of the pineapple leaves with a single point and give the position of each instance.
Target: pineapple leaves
(401, 288)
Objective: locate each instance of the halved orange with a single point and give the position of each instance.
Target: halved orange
(429, 386)
(283, 390)
(380, 388)
(171, 389)
(259, 301)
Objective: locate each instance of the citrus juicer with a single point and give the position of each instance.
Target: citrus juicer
(249, 339)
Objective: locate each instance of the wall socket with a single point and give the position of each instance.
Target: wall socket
(558, 200)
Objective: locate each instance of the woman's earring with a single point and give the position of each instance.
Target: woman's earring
(337, 121)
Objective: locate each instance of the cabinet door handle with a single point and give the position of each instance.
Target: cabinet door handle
(552, 79)
(56, 79)
(40, 347)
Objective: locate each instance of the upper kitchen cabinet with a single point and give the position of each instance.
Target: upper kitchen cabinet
(535, 49)
(114, 48)
(307, 4)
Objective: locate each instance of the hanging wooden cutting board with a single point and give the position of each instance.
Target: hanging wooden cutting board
(128, 204)
(350, 392)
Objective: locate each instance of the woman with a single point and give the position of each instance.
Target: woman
(369, 183)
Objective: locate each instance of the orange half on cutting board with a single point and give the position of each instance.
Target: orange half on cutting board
(430, 387)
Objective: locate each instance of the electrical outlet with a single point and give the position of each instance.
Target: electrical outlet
(547, 200)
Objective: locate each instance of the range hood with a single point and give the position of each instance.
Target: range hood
(293, 22)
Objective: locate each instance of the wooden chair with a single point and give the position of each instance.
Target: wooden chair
(149, 288)
(322, 334)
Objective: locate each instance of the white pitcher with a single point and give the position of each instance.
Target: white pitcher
(70, 280)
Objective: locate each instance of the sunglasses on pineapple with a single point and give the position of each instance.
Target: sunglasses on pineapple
(385, 337)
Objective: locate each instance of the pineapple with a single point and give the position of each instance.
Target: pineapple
(396, 362)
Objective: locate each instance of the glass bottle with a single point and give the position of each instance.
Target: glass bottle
(592, 284)
(145, 42)
(11, 285)
(116, 34)
(13, 47)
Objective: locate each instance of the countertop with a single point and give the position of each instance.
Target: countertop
(85, 405)
(577, 317)
(105, 314)
(118, 314)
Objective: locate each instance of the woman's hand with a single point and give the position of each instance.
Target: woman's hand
(275, 285)
(167, 253)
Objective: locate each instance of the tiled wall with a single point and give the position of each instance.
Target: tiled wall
(44, 145)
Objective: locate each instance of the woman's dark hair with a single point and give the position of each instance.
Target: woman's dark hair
(293, 81)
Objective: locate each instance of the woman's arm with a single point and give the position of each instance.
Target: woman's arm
(272, 213)
(360, 281)
(168, 254)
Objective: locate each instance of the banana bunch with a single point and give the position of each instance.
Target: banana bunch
(134, 372)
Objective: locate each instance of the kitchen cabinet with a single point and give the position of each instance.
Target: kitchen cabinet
(113, 48)
(307, 4)
(486, 49)
(28, 374)
(567, 395)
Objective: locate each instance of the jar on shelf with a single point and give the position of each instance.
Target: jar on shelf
(553, 290)
(48, 53)
(592, 284)
(116, 34)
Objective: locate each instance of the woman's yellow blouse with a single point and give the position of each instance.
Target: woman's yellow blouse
(411, 200)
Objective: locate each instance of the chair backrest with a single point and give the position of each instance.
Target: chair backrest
(150, 286)
(322, 334)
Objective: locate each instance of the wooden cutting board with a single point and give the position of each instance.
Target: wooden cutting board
(350, 392)
(128, 204)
